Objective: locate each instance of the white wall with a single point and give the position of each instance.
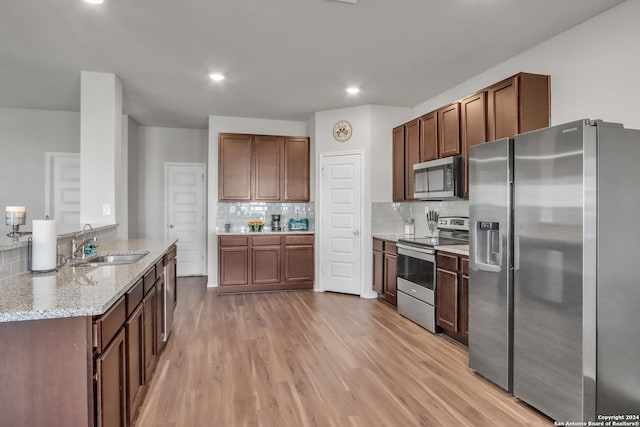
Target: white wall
(371, 125)
(157, 145)
(130, 127)
(593, 68)
(25, 135)
(219, 124)
(100, 146)
(383, 120)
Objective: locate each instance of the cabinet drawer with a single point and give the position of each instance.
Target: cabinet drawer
(134, 297)
(307, 239)
(447, 262)
(265, 240)
(159, 269)
(149, 279)
(465, 266)
(110, 323)
(227, 241)
(378, 245)
(390, 248)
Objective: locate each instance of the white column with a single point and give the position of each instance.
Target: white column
(100, 147)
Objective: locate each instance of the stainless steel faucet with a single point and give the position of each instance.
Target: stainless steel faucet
(75, 248)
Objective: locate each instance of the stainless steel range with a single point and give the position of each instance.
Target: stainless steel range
(417, 270)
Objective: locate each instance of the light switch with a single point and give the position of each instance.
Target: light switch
(106, 209)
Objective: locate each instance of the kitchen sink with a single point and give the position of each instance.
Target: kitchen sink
(100, 260)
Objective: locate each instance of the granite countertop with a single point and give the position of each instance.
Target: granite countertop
(7, 243)
(76, 291)
(391, 237)
(258, 233)
(454, 249)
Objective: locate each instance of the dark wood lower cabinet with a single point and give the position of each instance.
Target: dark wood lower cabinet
(150, 346)
(447, 299)
(134, 328)
(452, 296)
(264, 262)
(111, 384)
(385, 270)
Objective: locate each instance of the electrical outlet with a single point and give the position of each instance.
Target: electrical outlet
(297, 209)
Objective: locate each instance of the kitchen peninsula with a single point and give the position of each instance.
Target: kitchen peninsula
(80, 345)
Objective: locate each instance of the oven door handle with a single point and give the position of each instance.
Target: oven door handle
(425, 255)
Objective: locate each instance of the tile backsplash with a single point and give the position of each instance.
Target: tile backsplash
(390, 217)
(238, 214)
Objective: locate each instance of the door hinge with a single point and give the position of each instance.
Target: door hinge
(202, 178)
(323, 171)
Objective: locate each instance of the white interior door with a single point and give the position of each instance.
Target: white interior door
(340, 213)
(62, 189)
(185, 195)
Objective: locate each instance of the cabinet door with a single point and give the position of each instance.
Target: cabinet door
(134, 328)
(296, 169)
(411, 155)
(463, 324)
(390, 279)
(503, 109)
(149, 316)
(234, 266)
(449, 130)
(265, 262)
(234, 166)
(398, 164)
(378, 272)
(298, 263)
(447, 299)
(268, 154)
(473, 129)
(429, 136)
(111, 384)
(159, 320)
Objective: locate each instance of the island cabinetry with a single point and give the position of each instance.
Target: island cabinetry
(385, 270)
(452, 296)
(265, 263)
(84, 370)
(263, 168)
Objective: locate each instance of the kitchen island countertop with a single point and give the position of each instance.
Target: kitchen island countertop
(77, 291)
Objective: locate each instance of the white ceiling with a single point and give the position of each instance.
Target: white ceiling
(284, 59)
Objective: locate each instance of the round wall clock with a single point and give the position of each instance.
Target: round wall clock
(342, 131)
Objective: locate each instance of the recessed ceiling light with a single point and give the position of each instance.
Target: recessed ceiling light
(353, 90)
(94, 1)
(216, 76)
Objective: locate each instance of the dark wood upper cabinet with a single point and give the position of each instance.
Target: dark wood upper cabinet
(429, 136)
(296, 169)
(234, 166)
(411, 154)
(263, 168)
(398, 164)
(473, 129)
(268, 154)
(518, 104)
(449, 130)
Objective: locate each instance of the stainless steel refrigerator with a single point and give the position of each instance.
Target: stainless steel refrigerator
(554, 301)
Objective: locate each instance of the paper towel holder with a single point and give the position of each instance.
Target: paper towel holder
(29, 262)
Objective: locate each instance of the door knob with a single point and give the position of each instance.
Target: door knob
(356, 232)
(170, 225)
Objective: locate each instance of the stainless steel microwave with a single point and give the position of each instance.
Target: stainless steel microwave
(439, 179)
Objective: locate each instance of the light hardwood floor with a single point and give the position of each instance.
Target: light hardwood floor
(314, 359)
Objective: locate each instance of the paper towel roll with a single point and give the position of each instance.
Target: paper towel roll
(44, 246)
